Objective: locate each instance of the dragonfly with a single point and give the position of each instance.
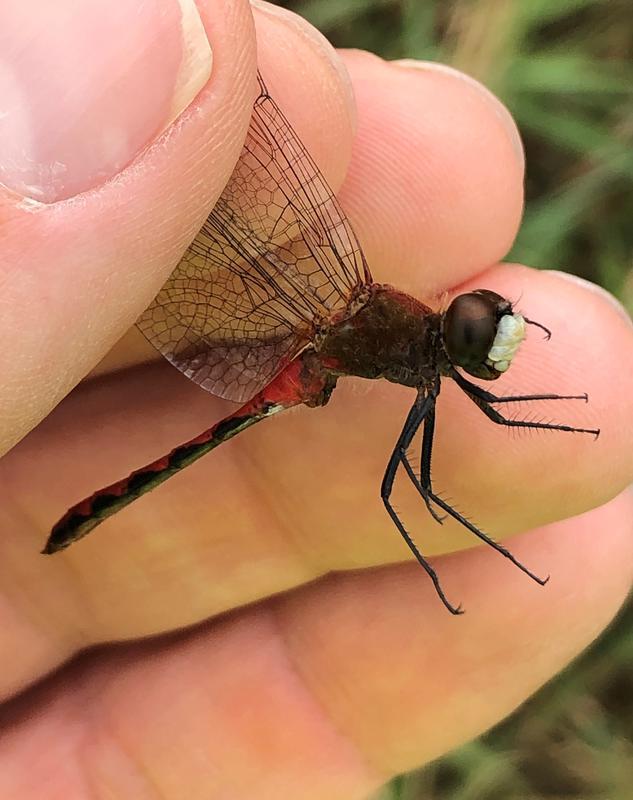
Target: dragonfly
(273, 302)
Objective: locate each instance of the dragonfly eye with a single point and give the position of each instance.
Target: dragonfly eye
(469, 330)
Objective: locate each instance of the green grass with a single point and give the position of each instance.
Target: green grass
(565, 70)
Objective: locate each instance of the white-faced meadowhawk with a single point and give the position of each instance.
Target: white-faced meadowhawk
(273, 302)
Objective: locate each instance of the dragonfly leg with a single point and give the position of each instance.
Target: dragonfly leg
(424, 484)
(484, 400)
(452, 512)
(414, 419)
(424, 487)
(425, 463)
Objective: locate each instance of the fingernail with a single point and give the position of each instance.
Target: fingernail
(594, 289)
(497, 106)
(85, 87)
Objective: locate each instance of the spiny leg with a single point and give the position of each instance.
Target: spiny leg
(499, 419)
(425, 461)
(420, 558)
(468, 524)
(424, 487)
(414, 419)
(484, 400)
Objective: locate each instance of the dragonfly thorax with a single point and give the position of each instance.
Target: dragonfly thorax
(394, 336)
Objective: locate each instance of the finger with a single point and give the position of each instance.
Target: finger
(423, 687)
(79, 268)
(435, 185)
(165, 194)
(367, 671)
(97, 262)
(299, 496)
(162, 195)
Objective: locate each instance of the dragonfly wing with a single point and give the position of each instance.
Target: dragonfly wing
(275, 257)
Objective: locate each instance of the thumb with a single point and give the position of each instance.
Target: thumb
(122, 124)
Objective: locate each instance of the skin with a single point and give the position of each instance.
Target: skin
(345, 679)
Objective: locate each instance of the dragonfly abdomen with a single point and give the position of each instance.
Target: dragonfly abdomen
(300, 382)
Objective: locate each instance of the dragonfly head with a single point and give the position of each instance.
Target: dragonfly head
(482, 333)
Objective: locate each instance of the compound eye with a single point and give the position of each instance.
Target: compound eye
(470, 325)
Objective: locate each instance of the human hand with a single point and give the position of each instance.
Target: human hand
(327, 690)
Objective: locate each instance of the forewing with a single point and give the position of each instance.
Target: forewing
(276, 257)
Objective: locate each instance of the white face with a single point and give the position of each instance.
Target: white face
(510, 334)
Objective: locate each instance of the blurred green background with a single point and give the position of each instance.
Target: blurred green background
(565, 70)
